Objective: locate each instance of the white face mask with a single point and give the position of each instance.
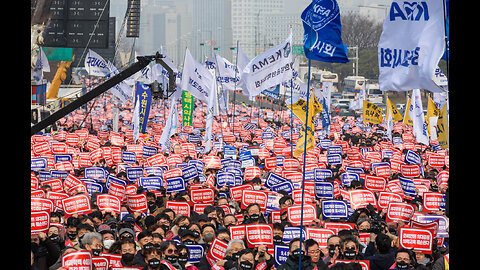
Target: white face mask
(257, 187)
(108, 243)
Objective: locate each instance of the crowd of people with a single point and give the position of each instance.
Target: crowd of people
(156, 237)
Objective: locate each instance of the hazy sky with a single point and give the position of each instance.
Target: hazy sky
(293, 6)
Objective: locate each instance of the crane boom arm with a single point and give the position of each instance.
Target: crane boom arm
(142, 62)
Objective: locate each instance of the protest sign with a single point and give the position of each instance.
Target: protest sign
(180, 208)
(259, 234)
(217, 251)
(334, 209)
(237, 232)
(107, 202)
(39, 222)
(320, 235)
(254, 196)
(81, 259)
(360, 198)
(421, 240)
(204, 195)
(294, 214)
(79, 204)
(137, 202)
(399, 211)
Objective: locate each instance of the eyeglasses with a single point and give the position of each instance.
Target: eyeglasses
(171, 251)
(333, 246)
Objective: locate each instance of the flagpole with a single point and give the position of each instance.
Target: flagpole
(304, 163)
(291, 117)
(235, 94)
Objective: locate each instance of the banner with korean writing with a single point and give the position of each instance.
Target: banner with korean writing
(144, 95)
(372, 113)
(187, 108)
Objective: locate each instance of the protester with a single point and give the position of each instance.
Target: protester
(382, 254)
(259, 161)
(296, 255)
(313, 251)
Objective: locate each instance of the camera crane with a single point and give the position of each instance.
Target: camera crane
(142, 62)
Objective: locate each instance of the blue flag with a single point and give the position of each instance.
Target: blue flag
(144, 95)
(447, 29)
(322, 39)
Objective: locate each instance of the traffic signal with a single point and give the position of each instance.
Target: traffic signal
(216, 49)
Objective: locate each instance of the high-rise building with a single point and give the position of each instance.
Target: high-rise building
(164, 23)
(211, 29)
(248, 21)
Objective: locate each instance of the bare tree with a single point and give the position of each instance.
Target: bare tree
(360, 31)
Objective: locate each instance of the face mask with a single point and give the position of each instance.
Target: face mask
(183, 259)
(171, 258)
(297, 253)
(277, 240)
(128, 257)
(331, 251)
(236, 256)
(71, 236)
(151, 206)
(189, 242)
(182, 228)
(246, 265)
(154, 263)
(349, 254)
(96, 252)
(257, 187)
(254, 217)
(208, 237)
(108, 243)
(402, 265)
(54, 238)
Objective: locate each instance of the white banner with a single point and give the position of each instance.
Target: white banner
(171, 125)
(270, 68)
(418, 118)
(40, 66)
(228, 74)
(242, 62)
(135, 119)
(95, 64)
(196, 79)
(122, 90)
(411, 44)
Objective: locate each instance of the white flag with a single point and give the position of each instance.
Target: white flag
(270, 68)
(228, 74)
(121, 90)
(196, 79)
(296, 87)
(136, 120)
(389, 124)
(40, 66)
(212, 104)
(171, 125)
(411, 44)
(242, 62)
(418, 118)
(95, 64)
